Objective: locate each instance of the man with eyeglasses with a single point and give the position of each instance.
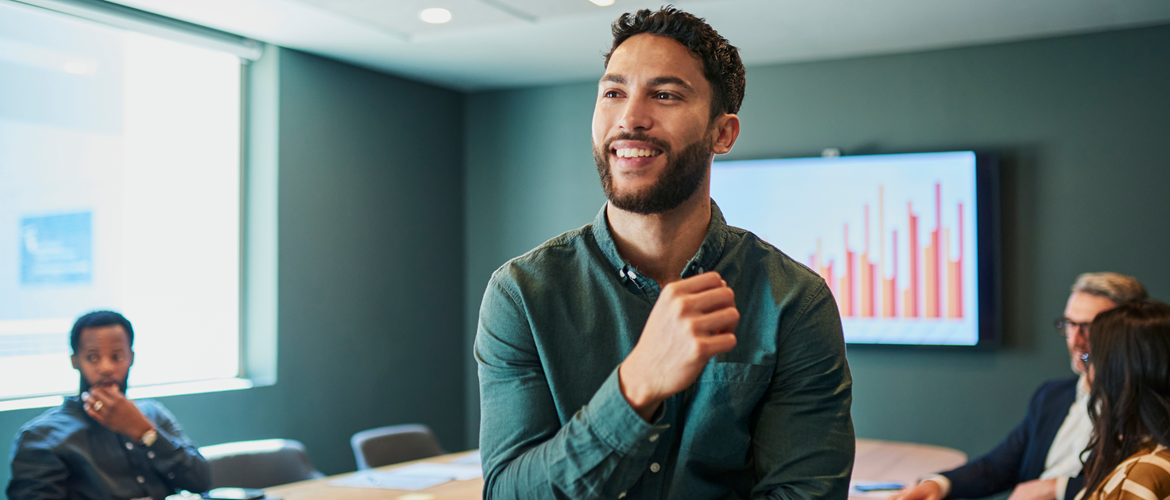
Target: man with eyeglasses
(1040, 459)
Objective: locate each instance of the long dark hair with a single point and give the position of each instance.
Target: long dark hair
(1129, 401)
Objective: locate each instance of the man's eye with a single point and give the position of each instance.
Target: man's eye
(91, 358)
(117, 358)
(664, 95)
(611, 93)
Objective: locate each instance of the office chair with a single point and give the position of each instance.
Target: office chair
(258, 464)
(394, 444)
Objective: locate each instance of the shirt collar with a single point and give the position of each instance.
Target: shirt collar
(704, 260)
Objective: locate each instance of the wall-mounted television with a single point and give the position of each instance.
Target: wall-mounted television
(908, 243)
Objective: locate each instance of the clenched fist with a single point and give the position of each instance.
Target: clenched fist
(693, 321)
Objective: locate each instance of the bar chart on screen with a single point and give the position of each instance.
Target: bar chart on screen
(893, 236)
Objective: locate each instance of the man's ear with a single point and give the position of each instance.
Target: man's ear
(131, 358)
(73, 359)
(726, 132)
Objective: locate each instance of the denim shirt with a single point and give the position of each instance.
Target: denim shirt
(770, 419)
(66, 454)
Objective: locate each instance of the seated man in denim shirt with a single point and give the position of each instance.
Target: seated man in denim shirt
(659, 352)
(100, 444)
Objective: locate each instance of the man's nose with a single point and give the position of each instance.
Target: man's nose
(635, 116)
(106, 366)
(1082, 335)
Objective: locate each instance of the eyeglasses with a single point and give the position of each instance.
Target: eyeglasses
(1067, 326)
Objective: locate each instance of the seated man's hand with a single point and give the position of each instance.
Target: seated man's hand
(1037, 489)
(110, 408)
(693, 321)
(926, 490)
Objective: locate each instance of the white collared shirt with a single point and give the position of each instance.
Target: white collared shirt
(1064, 457)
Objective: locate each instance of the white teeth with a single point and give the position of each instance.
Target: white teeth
(634, 152)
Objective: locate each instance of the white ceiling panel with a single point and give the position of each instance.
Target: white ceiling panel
(402, 16)
(510, 43)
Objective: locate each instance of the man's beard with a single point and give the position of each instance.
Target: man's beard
(683, 175)
(85, 386)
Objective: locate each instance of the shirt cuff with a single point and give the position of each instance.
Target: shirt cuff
(164, 447)
(944, 484)
(1061, 487)
(617, 424)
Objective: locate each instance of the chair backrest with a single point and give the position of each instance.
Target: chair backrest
(258, 464)
(394, 444)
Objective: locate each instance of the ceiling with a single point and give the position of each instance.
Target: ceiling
(491, 44)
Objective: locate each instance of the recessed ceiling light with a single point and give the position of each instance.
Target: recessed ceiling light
(602, 3)
(436, 16)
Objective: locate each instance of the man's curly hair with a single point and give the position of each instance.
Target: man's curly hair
(721, 64)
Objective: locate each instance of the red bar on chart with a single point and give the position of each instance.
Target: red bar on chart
(865, 290)
(933, 262)
(846, 295)
(890, 285)
(910, 301)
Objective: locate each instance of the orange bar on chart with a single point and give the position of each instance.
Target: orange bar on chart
(933, 260)
(890, 285)
(846, 297)
(867, 283)
(910, 301)
(955, 276)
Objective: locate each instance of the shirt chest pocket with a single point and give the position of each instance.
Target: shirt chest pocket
(718, 419)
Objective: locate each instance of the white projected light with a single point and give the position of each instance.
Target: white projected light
(602, 3)
(435, 16)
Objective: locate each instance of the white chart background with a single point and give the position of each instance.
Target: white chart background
(792, 203)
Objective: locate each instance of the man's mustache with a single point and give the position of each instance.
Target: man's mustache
(639, 136)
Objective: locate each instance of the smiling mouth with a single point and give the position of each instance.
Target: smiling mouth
(635, 152)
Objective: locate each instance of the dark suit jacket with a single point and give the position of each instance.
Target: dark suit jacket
(1021, 456)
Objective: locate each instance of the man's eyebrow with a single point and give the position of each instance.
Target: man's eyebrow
(656, 82)
(670, 80)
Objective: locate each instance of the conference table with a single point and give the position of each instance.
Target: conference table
(875, 461)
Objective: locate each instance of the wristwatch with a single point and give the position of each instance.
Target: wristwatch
(149, 437)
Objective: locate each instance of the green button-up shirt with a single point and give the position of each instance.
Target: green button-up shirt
(770, 419)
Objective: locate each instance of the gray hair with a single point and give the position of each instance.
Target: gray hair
(1116, 287)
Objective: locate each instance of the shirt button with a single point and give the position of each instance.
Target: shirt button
(170, 475)
(129, 445)
(654, 467)
(653, 438)
(150, 454)
(141, 479)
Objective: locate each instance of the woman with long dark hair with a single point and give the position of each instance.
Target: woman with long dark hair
(1129, 403)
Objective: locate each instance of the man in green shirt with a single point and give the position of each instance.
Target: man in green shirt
(657, 352)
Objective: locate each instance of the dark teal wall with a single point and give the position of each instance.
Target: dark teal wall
(1082, 123)
(370, 274)
(397, 200)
